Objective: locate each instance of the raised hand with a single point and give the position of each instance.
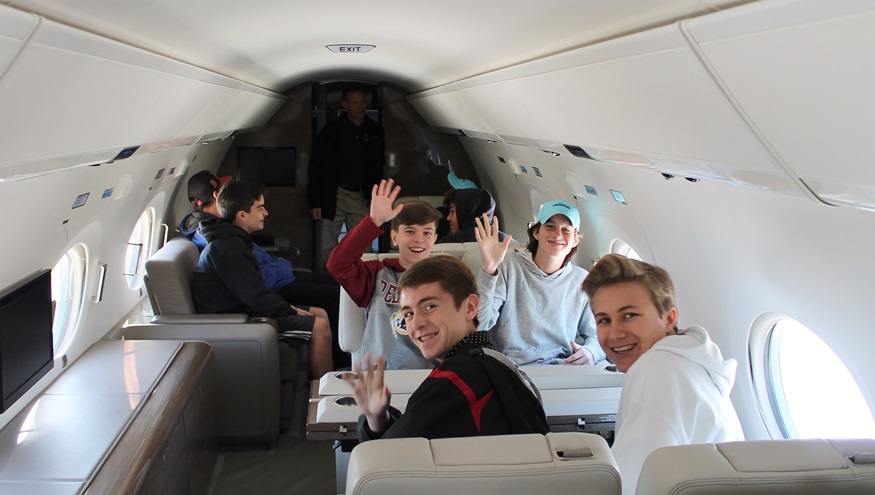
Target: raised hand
(371, 393)
(492, 251)
(383, 196)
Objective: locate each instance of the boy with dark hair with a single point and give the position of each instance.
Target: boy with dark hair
(529, 298)
(203, 188)
(373, 284)
(473, 391)
(227, 278)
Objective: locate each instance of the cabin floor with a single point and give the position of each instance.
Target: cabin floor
(293, 465)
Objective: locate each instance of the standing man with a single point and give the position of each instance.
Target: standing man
(347, 162)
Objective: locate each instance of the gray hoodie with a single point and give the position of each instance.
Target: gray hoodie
(533, 316)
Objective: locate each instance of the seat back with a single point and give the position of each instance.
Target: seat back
(555, 464)
(352, 319)
(761, 467)
(168, 277)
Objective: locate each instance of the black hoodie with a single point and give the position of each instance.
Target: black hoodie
(470, 204)
(227, 278)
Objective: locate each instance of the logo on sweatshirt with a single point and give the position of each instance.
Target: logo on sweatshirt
(399, 326)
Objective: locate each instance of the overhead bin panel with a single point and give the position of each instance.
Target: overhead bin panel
(15, 26)
(804, 73)
(82, 92)
(644, 100)
(445, 109)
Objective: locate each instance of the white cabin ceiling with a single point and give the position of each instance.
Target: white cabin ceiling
(419, 45)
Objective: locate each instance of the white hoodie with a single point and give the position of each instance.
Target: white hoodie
(676, 393)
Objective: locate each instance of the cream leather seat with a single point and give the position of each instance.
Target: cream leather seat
(554, 464)
(249, 404)
(761, 467)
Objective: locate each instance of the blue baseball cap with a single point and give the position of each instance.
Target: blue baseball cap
(559, 207)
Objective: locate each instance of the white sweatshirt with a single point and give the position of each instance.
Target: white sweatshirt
(677, 393)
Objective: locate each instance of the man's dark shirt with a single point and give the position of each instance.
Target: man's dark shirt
(333, 163)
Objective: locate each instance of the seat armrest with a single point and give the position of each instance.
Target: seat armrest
(247, 364)
(351, 323)
(186, 318)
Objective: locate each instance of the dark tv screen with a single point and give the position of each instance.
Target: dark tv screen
(268, 166)
(26, 352)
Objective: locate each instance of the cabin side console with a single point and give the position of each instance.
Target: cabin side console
(126, 417)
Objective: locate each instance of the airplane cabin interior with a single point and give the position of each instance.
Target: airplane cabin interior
(726, 141)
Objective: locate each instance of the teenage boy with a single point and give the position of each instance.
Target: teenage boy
(203, 189)
(530, 299)
(473, 391)
(373, 285)
(227, 279)
(677, 383)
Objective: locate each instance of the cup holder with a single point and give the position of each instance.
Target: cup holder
(345, 401)
(346, 375)
(611, 367)
(259, 319)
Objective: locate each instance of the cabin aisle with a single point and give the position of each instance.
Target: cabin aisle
(294, 466)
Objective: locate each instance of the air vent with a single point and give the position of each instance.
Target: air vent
(502, 160)
(578, 151)
(591, 190)
(159, 174)
(537, 171)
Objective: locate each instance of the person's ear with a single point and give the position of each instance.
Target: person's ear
(471, 305)
(671, 321)
(394, 236)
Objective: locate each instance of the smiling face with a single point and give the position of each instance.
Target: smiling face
(556, 237)
(434, 323)
(414, 242)
(253, 220)
(628, 322)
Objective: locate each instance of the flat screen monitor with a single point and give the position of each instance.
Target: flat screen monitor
(26, 352)
(268, 166)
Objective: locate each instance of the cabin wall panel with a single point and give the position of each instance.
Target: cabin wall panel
(802, 72)
(91, 93)
(635, 100)
(733, 253)
(15, 26)
(446, 108)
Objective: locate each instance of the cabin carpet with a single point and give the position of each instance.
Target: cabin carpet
(294, 465)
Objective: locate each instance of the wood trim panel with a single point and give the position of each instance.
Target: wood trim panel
(143, 445)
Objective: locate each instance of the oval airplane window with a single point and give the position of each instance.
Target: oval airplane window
(801, 397)
(68, 283)
(623, 248)
(139, 245)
